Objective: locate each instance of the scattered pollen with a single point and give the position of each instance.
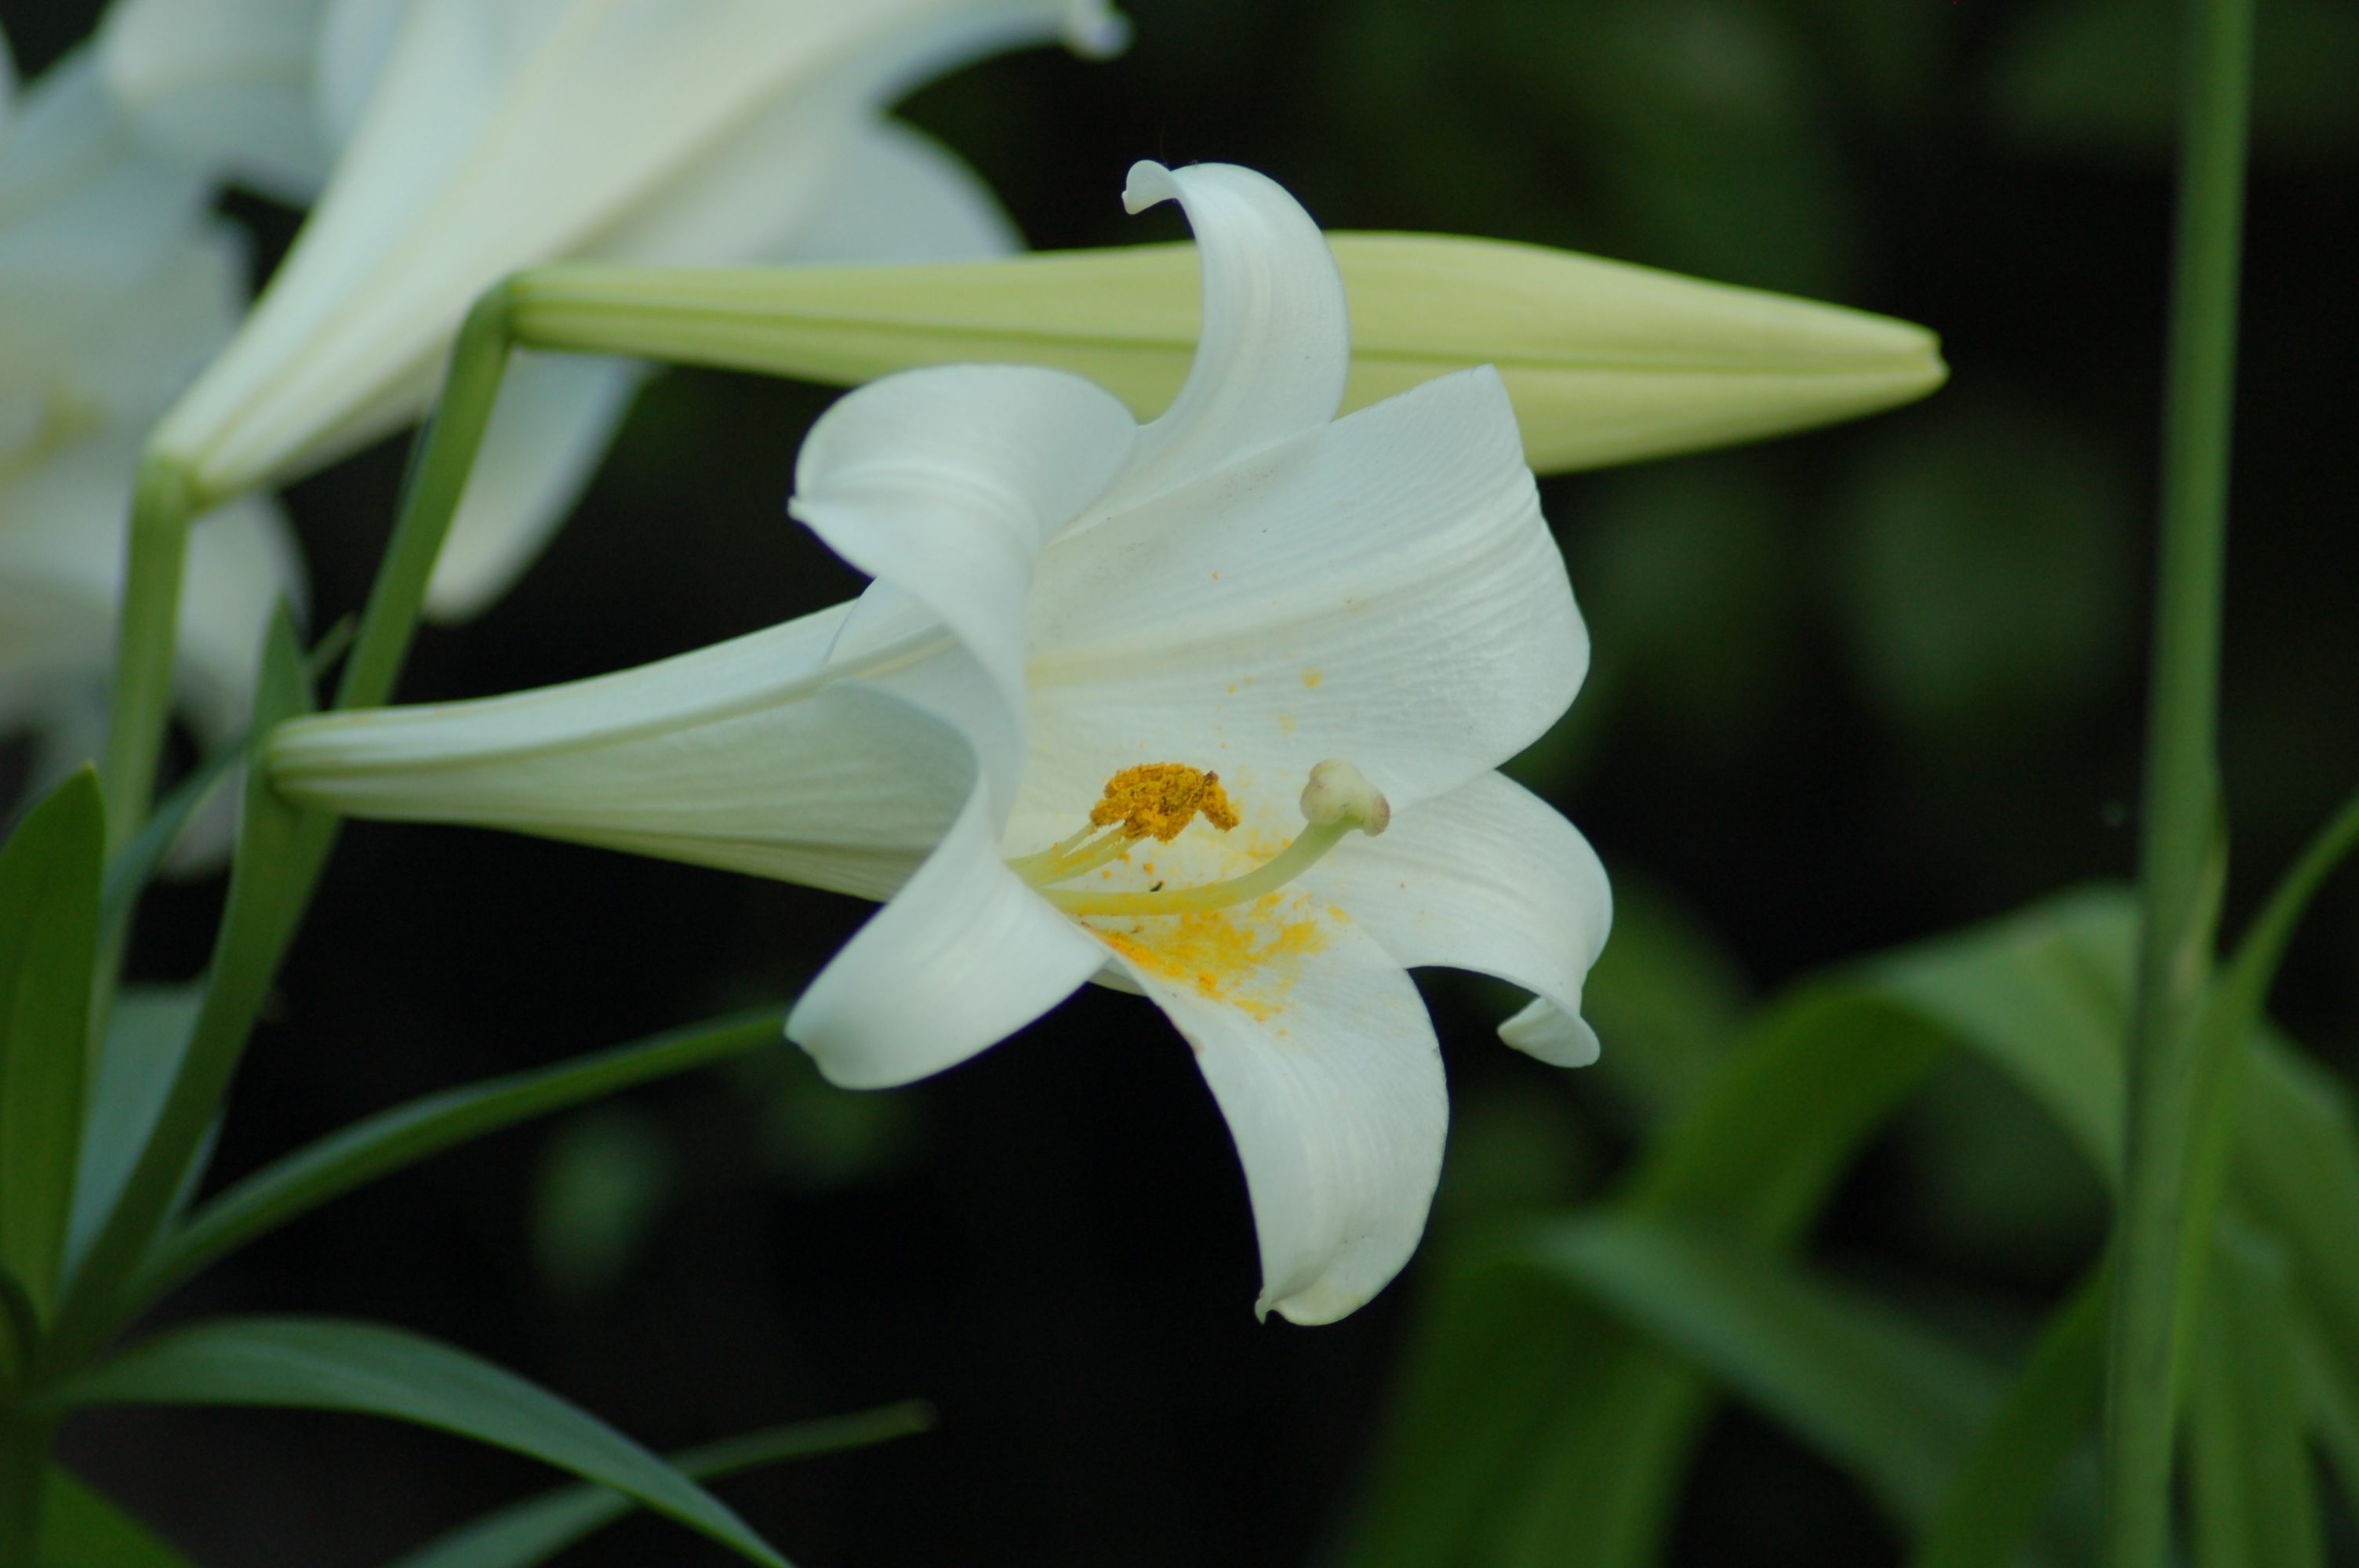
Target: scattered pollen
(1313, 676)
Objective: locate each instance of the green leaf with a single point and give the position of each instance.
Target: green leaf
(136, 862)
(1890, 1401)
(146, 1036)
(2254, 1501)
(278, 853)
(535, 1531)
(371, 1369)
(391, 1140)
(2044, 994)
(49, 873)
(80, 1528)
(1999, 1492)
(1534, 1428)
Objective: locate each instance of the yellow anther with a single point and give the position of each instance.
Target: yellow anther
(1158, 799)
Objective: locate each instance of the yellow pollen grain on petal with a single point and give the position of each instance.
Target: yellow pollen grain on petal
(1313, 676)
(1158, 799)
(1246, 957)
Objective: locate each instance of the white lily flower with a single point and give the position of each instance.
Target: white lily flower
(476, 136)
(115, 286)
(1111, 708)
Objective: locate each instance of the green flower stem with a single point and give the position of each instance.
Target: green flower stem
(438, 476)
(2181, 854)
(162, 507)
(254, 942)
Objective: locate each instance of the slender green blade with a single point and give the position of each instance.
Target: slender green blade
(82, 1530)
(278, 850)
(2254, 1498)
(1995, 1502)
(148, 1034)
(1896, 1405)
(388, 1141)
(372, 1370)
(2045, 995)
(49, 872)
(536, 1529)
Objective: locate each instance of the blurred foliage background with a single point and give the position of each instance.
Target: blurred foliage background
(1851, 689)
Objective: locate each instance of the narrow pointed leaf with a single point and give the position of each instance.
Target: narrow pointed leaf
(2044, 994)
(80, 1528)
(49, 872)
(1996, 1500)
(148, 1034)
(371, 1369)
(278, 851)
(403, 1136)
(1888, 1401)
(536, 1529)
(1606, 362)
(2254, 1499)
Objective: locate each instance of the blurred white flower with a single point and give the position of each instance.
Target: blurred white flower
(1077, 724)
(115, 285)
(471, 137)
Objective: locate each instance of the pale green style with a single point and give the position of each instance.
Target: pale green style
(1353, 621)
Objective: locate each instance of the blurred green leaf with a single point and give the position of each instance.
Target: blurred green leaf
(49, 873)
(128, 873)
(1994, 1182)
(1666, 997)
(2252, 1498)
(1985, 571)
(147, 1034)
(2044, 994)
(2101, 78)
(391, 1140)
(603, 1181)
(1894, 1404)
(278, 850)
(82, 1530)
(1998, 1494)
(372, 1370)
(536, 1529)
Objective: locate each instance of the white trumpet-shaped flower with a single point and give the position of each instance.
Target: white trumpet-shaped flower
(114, 286)
(472, 137)
(1208, 708)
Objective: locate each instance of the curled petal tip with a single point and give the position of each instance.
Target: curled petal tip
(1149, 183)
(1095, 30)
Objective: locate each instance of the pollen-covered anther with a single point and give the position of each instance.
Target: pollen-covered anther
(1340, 795)
(1158, 799)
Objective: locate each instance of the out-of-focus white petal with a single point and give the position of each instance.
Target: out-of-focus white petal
(746, 755)
(354, 41)
(1276, 345)
(1488, 878)
(1383, 589)
(497, 137)
(224, 85)
(555, 415)
(947, 483)
(1324, 1064)
(894, 194)
(963, 956)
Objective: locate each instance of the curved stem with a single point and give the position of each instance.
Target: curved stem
(145, 636)
(2181, 852)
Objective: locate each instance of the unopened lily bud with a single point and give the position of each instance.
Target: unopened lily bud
(1339, 792)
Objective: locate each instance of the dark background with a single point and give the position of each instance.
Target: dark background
(1851, 689)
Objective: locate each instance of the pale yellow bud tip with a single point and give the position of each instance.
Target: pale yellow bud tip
(1340, 794)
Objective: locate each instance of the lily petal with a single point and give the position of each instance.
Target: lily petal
(225, 85)
(748, 755)
(963, 956)
(897, 195)
(1325, 1066)
(1383, 589)
(947, 483)
(1488, 877)
(1276, 345)
(555, 415)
